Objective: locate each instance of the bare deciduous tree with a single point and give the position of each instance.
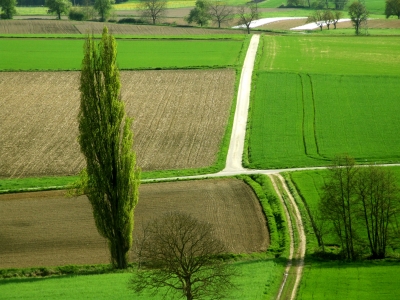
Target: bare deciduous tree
(179, 258)
(338, 202)
(359, 202)
(336, 17)
(153, 9)
(220, 12)
(247, 14)
(317, 17)
(378, 196)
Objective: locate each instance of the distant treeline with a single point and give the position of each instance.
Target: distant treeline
(74, 2)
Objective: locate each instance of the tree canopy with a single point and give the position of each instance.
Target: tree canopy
(111, 179)
(362, 205)
(58, 7)
(392, 8)
(358, 14)
(200, 14)
(179, 254)
(247, 14)
(153, 9)
(103, 7)
(8, 8)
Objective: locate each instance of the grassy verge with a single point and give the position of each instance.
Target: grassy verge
(312, 242)
(276, 219)
(35, 184)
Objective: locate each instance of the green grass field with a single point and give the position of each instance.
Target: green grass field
(364, 280)
(331, 55)
(66, 54)
(309, 185)
(316, 97)
(259, 279)
(340, 280)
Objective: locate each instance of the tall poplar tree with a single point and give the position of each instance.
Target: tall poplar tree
(111, 179)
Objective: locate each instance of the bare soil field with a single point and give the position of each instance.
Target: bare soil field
(74, 27)
(283, 24)
(48, 229)
(179, 119)
(372, 24)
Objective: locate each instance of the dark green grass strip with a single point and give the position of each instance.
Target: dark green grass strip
(67, 54)
(363, 280)
(35, 184)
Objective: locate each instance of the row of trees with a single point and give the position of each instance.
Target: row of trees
(360, 206)
(357, 11)
(219, 13)
(326, 17)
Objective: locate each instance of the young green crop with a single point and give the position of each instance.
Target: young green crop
(366, 280)
(302, 120)
(331, 55)
(66, 54)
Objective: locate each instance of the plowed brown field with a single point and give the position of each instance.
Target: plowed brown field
(72, 27)
(47, 229)
(180, 119)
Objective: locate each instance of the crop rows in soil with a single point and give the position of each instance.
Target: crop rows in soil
(179, 119)
(48, 229)
(71, 27)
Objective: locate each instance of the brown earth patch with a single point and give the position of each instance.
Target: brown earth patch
(48, 229)
(73, 27)
(283, 24)
(179, 119)
(372, 24)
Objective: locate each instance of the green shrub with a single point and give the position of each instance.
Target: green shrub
(130, 21)
(76, 13)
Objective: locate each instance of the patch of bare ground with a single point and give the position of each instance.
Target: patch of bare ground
(73, 27)
(180, 118)
(384, 23)
(372, 24)
(37, 26)
(48, 229)
(283, 24)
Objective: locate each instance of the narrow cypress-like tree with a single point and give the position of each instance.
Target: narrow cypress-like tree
(111, 178)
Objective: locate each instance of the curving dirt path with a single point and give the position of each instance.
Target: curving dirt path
(301, 245)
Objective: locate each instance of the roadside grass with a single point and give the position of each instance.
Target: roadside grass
(327, 55)
(14, 185)
(66, 54)
(274, 213)
(359, 280)
(259, 279)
